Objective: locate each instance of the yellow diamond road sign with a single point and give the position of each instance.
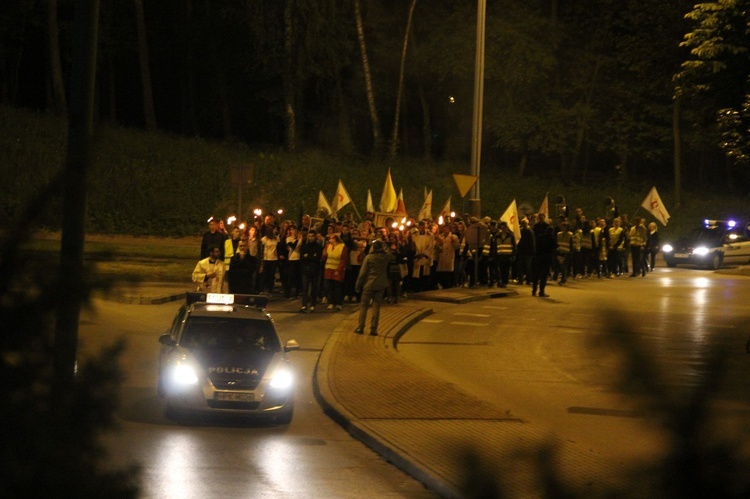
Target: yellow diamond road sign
(464, 183)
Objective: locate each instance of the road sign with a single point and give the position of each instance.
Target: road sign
(464, 183)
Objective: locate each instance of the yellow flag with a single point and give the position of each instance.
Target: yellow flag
(511, 218)
(388, 200)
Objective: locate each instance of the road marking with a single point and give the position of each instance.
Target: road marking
(457, 323)
(467, 314)
(432, 321)
(495, 308)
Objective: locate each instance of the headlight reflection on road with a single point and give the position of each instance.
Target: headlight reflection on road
(175, 458)
(277, 461)
(701, 282)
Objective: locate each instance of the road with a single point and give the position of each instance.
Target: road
(313, 457)
(549, 361)
(553, 361)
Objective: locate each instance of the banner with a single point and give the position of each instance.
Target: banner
(323, 203)
(426, 211)
(388, 200)
(654, 205)
(341, 198)
(511, 218)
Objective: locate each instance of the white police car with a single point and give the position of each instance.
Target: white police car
(223, 354)
(717, 243)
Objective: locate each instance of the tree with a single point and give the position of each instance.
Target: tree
(53, 35)
(148, 99)
(719, 69)
(400, 91)
(377, 140)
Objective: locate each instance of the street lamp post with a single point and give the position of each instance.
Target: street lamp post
(476, 132)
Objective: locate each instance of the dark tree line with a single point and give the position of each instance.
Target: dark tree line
(573, 89)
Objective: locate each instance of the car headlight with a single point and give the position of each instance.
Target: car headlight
(667, 248)
(700, 251)
(282, 379)
(184, 375)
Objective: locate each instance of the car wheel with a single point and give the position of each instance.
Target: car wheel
(285, 418)
(715, 262)
(671, 264)
(170, 412)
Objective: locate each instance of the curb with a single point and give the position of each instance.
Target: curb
(142, 300)
(355, 428)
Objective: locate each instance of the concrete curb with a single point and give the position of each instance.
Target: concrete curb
(143, 300)
(359, 430)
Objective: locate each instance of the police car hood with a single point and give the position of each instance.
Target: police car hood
(232, 365)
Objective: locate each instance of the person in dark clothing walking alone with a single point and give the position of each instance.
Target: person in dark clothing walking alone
(546, 246)
(372, 283)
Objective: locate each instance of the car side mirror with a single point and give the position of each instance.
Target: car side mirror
(291, 345)
(166, 340)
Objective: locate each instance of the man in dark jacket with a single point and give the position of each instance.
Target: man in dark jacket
(242, 270)
(309, 260)
(372, 282)
(213, 237)
(546, 246)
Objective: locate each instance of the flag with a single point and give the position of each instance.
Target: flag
(653, 205)
(544, 208)
(341, 198)
(426, 211)
(388, 200)
(323, 203)
(400, 206)
(511, 218)
(425, 193)
(370, 206)
(446, 211)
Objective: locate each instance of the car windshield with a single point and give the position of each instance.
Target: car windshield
(216, 333)
(708, 237)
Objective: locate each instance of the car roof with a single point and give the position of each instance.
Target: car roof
(221, 305)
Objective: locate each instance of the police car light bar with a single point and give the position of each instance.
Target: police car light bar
(226, 299)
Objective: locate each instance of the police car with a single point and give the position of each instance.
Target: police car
(717, 243)
(223, 354)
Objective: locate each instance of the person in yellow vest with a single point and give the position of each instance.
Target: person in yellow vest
(576, 260)
(587, 247)
(564, 248)
(615, 245)
(336, 256)
(505, 242)
(638, 239)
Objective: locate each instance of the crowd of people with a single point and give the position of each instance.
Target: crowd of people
(318, 260)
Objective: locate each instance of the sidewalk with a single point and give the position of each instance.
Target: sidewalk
(425, 425)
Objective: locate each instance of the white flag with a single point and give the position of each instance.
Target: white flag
(426, 211)
(388, 200)
(341, 198)
(511, 218)
(446, 211)
(370, 206)
(545, 208)
(653, 205)
(323, 203)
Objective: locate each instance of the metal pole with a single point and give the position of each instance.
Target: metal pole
(476, 132)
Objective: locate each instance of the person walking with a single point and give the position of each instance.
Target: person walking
(505, 242)
(310, 255)
(546, 246)
(209, 272)
(372, 283)
(652, 246)
(638, 239)
(336, 257)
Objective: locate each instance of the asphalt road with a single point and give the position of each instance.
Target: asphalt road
(313, 457)
(555, 361)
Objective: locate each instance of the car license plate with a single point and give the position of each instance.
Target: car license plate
(681, 255)
(235, 397)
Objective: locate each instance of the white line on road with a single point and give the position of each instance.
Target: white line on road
(432, 321)
(467, 314)
(457, 323)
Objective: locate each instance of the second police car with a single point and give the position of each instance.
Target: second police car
(223, 354)
(717, 243)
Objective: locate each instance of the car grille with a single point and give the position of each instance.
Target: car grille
(245, 406)
(235, 384)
